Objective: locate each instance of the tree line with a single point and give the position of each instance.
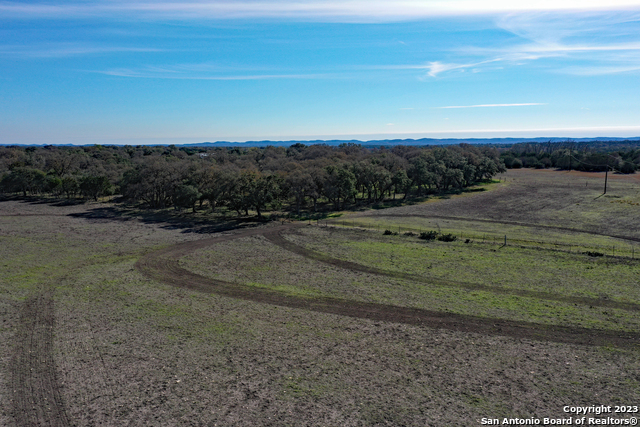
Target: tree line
(295, 179)
(622, 157)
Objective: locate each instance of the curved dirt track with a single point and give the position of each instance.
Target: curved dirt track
(35, 391)
(163, 266)
(518, 223)
(31, 214)
(277, 239)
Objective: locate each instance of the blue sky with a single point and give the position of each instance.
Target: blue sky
(174, 72)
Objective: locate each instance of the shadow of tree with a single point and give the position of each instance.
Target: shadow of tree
(185, 222)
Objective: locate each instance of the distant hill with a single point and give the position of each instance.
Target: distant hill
(392, 142)
(378, 142)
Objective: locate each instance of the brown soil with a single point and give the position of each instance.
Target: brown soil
(34, 384)
(117, 357)
(164, 266)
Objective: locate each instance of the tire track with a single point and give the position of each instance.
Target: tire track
(277, 239)
(36, 398)
(163, 266)
(32, 214)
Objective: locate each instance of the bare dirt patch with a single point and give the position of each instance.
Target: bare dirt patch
(36, 396)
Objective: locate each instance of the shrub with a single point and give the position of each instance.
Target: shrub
(594, 253)
(447, 238)
(429, 235)
(410, 233)
(627, 167)
(390, 233)
(508, 161)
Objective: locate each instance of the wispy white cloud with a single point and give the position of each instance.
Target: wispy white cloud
(584, 43)
(65, 50)
(531, 51)
(437, 67)
(599, 70)
(349, 10)
(630, 131)
(493, 105)
(175, 73)
(598, 43)
(546, 28)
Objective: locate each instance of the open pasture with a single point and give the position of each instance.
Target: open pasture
(395, 271)
(115, 319)
(538, 208)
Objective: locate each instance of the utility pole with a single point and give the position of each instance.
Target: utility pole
(606, 175)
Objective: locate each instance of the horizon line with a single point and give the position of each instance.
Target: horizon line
(339, 140)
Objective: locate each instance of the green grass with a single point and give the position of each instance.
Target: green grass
(570, 274)
(257, 262)
(495, 233)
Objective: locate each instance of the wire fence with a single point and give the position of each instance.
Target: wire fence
(619, 250)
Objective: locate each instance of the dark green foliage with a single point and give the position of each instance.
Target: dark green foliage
(25, 180)
(627, 167)
(152, 182)
(339, 185)
(429, 235)
(95, 186)
(300, 185)
(265, 189)
(52, 185)
(508, 161)
(185, 196)
(246, 179)
(390, 233)
(588, 157)
(400, 182)
(447, 238)
(69, 186)
(594, 253)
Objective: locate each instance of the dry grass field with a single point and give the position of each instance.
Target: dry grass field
(116, 318)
